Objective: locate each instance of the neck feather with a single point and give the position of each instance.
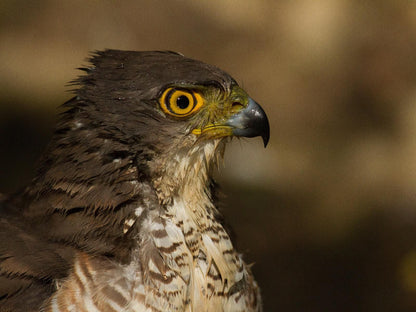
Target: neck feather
(186, 172)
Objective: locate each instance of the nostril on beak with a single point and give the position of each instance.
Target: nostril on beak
(236, 107)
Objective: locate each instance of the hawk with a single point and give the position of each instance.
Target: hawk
(122, 214)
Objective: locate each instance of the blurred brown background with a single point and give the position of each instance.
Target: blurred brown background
(328, 211)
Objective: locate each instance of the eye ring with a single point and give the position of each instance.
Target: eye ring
(180, 102)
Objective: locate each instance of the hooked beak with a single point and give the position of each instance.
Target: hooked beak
(250, 122)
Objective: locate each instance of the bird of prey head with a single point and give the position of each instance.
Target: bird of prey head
(181, 97)
(169, 110)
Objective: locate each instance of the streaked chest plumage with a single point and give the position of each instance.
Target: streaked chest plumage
(184, 262)
(184, 259)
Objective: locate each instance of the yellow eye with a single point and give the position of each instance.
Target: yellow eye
(179, 102)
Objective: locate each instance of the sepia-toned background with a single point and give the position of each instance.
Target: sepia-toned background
(327, 213)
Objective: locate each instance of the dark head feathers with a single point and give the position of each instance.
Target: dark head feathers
(151, 70)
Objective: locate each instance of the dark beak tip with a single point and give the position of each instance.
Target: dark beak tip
(265, 140)
(266, 133)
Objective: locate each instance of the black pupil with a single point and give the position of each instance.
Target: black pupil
(182, 102)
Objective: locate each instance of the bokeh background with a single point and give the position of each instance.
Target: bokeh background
(327, 212)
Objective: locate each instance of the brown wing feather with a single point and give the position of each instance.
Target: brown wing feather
(28, 265)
